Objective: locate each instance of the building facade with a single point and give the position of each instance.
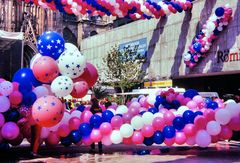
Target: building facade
(167, 39)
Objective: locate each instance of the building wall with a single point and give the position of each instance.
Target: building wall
(168, 39)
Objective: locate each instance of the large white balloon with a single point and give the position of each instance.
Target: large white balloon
(71, 63)
(126, 130)
(213, 128)
(116, 137)
(121, 109)
(4, 104)
(148, 118)
(137, 122)
(71, 47)
(62, 86)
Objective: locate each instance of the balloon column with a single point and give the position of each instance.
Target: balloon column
(202, 42)
(130, 8)
(33, 97)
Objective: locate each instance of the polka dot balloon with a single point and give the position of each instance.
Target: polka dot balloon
(6, 88)
(71, 63)
(47, 111)
(62, 86)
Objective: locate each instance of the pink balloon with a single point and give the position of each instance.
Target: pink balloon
(234, 123)
(186, 100)
(200, 122)
(2, 80)
(86, 115)
(52, 139)
(209, 114)
(105, 128)
(180, 98)
(133, 111)
(106, 140)
(15, 98)
(142, 109)
(127, 117)
(198, 99)
(170, 97)
(163, 110)
(80, 89)
(192, 105)
(147, 131)
(168, 117)
(116, 122)
(191, 141)
(15, 86)
(137, 137)
(142, 101)
(169, 142)
(86, 141)
(44, 133)
(214, 139)
(180, 138)
(226, 133)
(135, 104)
(190, 130)
(158, 123)
(63, 130)
(74, 123)
(2, 120)
(155, 152)
(96, 135)
(10, 131)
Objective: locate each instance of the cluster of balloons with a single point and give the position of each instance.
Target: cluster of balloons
(129, 8)
(202, 42)
(196, 121)
(58, 70)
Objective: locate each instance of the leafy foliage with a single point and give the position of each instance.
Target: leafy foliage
(99, 92)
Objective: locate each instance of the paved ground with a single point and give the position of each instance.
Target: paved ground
(221, 152)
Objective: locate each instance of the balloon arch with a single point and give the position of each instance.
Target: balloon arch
(59, 69)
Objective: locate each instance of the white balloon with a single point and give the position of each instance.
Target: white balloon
(148, 118)
(62, 86)
(76, 113)
(40, 91)
(182, 109)
(4, 104)
(6, 88)
(137, 122)
(113, 111)
(71, 63)
(211, 26)
(121, 109)
(126, 130)
(187, 56)
(116, 137)
(151, 99)
(229, 101)
(34, 58)
(158, 115)
(213, 128)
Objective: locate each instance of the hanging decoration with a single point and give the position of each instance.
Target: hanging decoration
(133, 9)
(202, 42)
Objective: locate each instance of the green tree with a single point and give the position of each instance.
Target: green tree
(122, 70)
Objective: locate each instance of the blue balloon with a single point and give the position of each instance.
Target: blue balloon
(176, 104)
(190, 93)
(107, 116)
(148, 141)
(29, 99)
(169, 132)
(51, 44)
(26, 79)
(197, 46)
(95, 121)
(153, 110)
(156, 104)
(198, 113)
(81, 108)
(208, 100)
(179, 123)
(11, 115)
(189, 116)
(75, 136)
(158, 137)
(219, 11)
(85, 129)
(143, 152)
(66, 141)
(159, 99)
(212, 105)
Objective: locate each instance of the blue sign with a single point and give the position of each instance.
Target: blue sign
(136, 50)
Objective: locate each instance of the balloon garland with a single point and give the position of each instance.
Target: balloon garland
(202, 42)
(130, 8)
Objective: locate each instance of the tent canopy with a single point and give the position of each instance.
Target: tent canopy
(9, 38)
